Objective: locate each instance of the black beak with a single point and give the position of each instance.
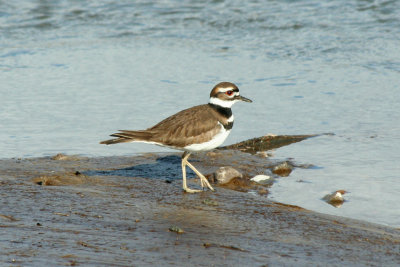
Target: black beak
(242, 98)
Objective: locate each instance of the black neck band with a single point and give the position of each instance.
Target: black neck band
(226, 112)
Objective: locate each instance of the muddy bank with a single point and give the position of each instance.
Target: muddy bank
(124, 211)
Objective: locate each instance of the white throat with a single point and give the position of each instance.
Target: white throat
(222, 103)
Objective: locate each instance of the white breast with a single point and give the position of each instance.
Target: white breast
(216, 141)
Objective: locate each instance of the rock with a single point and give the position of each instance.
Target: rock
(60, 156)
(239, 184)
(213, 154)
(263, 192)
(176, 229)
(48, 180)
(336, 198)
(283, 169)
(267, 142)
(261, 179)
(263, 154)
(58, 180)
(225, 174)
(210, 202)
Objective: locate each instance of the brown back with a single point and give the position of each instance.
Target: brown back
(195, 125)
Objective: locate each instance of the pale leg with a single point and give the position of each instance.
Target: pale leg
(184, 162)
(203, 179)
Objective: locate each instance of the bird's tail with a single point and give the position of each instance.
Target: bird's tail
(124, 136)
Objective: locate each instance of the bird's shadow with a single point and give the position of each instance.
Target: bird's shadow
(168, 167)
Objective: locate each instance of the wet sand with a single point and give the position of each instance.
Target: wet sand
(131, 211)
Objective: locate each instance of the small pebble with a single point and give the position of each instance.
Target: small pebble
(213, 154)
(60, 157)
(336, 199)
(283, 169)
(263, 154)
(262, 192)
(210, 202)
(176, 229)
(225, 174)
(261, 178)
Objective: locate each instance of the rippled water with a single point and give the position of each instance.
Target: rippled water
(71, 72)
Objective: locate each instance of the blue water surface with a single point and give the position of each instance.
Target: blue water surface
(72, 72)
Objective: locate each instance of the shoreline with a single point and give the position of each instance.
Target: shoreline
(97, 211)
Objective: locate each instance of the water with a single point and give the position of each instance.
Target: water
(73, 72)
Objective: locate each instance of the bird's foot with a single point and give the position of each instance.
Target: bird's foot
(204, 183)
(189, 190)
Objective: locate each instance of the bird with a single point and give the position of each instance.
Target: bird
(199, 128)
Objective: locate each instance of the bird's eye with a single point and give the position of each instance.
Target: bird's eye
(229, 92)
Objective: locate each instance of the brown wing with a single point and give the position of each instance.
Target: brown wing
(190, 126)
(128, 136)
(195, 125)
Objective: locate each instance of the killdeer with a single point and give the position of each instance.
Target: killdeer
(199, 128)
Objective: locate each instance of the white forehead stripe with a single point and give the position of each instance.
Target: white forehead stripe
(225, 89)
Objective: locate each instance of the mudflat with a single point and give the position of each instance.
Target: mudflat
(127, 211)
